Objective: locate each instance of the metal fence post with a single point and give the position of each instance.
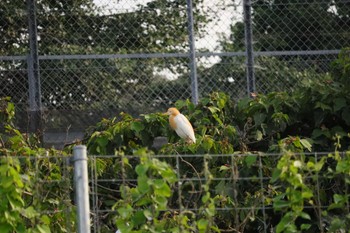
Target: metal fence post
(81, 188)
(35, 107)
(249, 46)
(192, 55)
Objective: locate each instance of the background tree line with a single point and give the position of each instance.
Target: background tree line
(134, 85)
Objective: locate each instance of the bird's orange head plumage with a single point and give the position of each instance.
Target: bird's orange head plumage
(173, 112)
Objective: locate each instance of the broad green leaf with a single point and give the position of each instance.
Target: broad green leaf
(286, 224)
(336, 225)
(161, 202)
(45, 219)
(305, 215)
(141, 169)
(259, 118)
(280, 204)
(30, 212)
(306, 144)
(125, 212)
(305, 226)
(222, 102)
(346, 116)
(207, 143)
(143, 184)
(163, 190)
(339, 103)
(323, 106)
(250, 160)
(148, 215)
(276, 175)
(202, 225)
(5, 228)
(224, 168)
(213, 109)
(138, 218)
(339, 198)
(137, 126)
(205, 197)
(43, 228)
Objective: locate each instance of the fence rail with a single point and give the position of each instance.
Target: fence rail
(73, 64)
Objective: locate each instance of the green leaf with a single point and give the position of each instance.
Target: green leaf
(259, 118)
(5, 228)
(163, 190)
(139, 218)
(224, 168)
(43, 228)
(205, 197)
(339, 103)
(161, 202)
(276, 175)
(346, 116)
(30, 212)
(148, 215)
(143, 184)
(202, 225)
(222, 102)
(305, 226)
(137, 126)
(322, 106)
(6, 182)
(305, 215)
(250, 160)
(125, 212)
(280, 204)
(306, 144)
(45, 219)
(213, 109)
(286, 224)
(336, 225)
(207, 143)
(141, 169)
(339, 198)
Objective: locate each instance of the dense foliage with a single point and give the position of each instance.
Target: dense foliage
(35, 183)
(169, 187)
(315, 117)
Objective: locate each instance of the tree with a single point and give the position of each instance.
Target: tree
(300, 25)
(280, 25)
(79, 27)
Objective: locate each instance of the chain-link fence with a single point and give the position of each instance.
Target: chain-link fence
(255, 192)
(74, 62)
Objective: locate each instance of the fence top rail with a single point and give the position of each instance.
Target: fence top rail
(170, 55)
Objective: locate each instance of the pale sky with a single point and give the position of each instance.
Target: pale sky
(222, 11)
(220, 27)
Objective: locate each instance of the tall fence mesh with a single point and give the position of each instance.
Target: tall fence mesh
(99, 58)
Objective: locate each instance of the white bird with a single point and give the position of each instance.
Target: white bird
(181, 125)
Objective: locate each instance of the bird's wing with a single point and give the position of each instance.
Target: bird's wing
(184, 128)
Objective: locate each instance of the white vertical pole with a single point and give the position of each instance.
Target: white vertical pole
(81, 188)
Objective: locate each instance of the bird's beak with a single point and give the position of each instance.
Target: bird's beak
(165, 113)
